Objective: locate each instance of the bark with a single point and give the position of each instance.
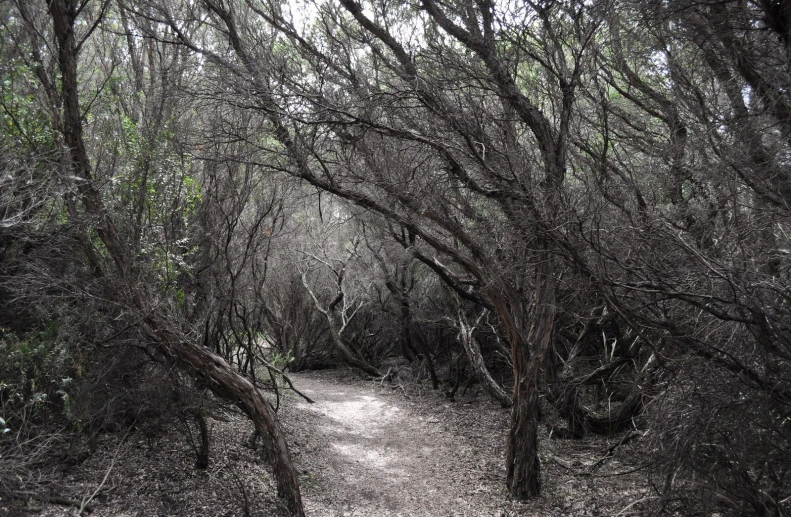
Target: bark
(478, 364)
(202, 453)
(347, 354)
(212, 368)
(523, 468)
(523, 474)
(229, 384)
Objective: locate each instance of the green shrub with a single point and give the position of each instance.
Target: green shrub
(37, 369)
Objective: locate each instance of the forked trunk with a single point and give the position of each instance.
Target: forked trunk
(475, 357)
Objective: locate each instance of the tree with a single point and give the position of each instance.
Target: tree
(610, 179)
(341, 310)
(68, 22)
(409, 144)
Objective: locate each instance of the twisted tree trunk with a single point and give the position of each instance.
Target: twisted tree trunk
(523, 468)
(226, 382)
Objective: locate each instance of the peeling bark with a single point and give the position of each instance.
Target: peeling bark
(523, 468)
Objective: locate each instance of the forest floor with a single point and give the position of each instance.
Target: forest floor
(363, 449)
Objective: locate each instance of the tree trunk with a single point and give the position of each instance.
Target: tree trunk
(406, 335)
(523, 468)
(406, 332)
(202, 452)
(457, 382)
(347, 354)
(229, 384)
(479, 365)
(203, 362)
(429, 362)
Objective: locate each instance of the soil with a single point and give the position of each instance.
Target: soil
(364, 448)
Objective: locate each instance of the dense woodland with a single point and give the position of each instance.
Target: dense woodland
(582, 206)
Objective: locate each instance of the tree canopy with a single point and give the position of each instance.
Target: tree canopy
(568, 195)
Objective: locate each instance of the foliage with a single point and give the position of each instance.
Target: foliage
(37, 371)
(590, 199)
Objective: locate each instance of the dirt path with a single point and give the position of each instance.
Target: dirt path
(378, 454)
(362, 450)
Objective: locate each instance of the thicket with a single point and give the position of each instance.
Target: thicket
(580, 203)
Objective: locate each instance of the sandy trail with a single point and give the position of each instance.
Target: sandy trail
(362, 450)
(381, 457)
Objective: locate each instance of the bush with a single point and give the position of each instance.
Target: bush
(720, 440)
(36, 381)
(37, 371)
